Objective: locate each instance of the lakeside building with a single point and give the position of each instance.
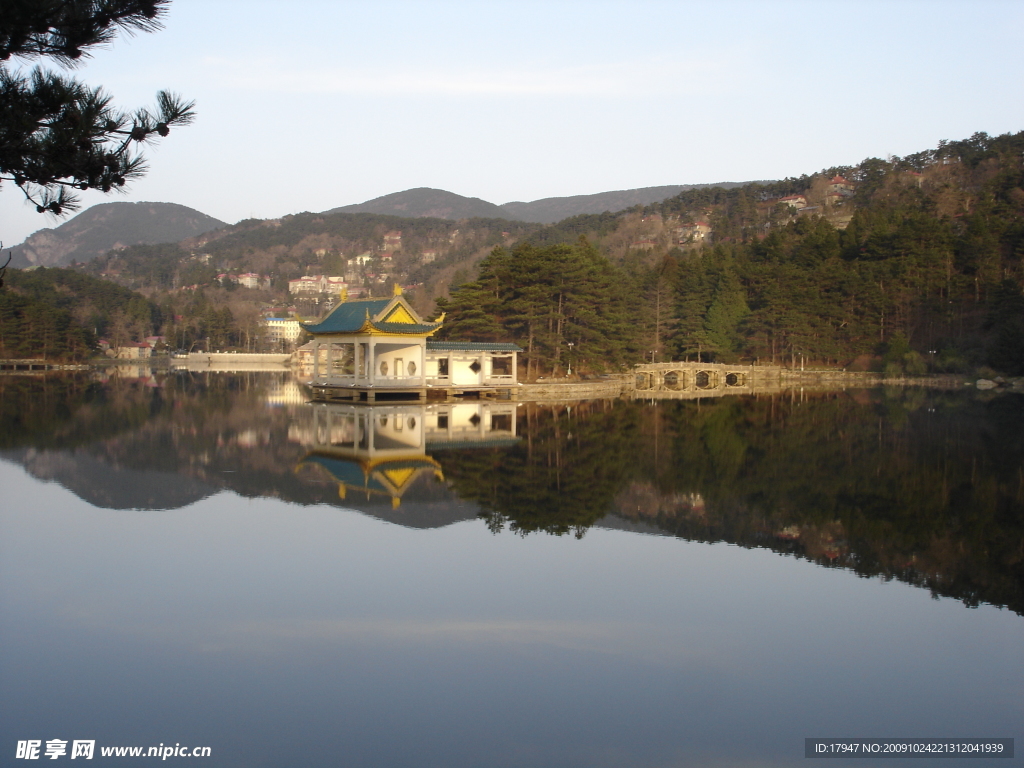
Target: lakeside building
(286, 330)
(370, 349)
(132, 351)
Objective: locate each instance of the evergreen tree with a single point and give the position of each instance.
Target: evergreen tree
(694, 292)
(722, 323)
(57, 134)
(545, 299)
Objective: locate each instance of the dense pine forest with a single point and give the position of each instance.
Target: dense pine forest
(910, 264)
(918, 268)
(59, 314)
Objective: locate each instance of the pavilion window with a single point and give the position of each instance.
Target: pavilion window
(501, 366)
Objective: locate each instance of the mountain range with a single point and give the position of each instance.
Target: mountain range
(438, 203)
(110, 226)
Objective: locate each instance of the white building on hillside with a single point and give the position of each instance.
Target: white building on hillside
(794, 201)
(317, 284)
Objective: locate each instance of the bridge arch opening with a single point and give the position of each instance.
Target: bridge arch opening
(734, 379)
(704, 380)
(675, 380)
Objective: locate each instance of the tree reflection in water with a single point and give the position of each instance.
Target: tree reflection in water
(922, 486)
(563, 474)
(919, 486)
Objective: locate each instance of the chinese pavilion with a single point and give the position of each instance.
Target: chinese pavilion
(374, 349)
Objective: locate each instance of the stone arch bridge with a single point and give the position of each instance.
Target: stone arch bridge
(677, 380)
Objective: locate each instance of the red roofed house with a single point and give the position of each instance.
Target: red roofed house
(334, 285)
(840, 186)
(914, 177)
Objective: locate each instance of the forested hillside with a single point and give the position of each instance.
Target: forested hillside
(308, 243)
(918, 263)
(59, 314)
(910, 263)
(548, 299)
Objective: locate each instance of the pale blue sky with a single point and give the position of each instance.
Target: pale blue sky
(305, 106)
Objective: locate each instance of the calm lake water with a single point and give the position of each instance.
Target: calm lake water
(207, 560)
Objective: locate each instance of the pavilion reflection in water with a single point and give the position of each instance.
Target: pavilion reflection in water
(383, 450)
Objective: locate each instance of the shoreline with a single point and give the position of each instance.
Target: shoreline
(613, 386)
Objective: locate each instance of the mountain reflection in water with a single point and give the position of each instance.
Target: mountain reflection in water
(925, 487)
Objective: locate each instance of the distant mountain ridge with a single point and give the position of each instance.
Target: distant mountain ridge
(103, 227)
(424, 202)
(110, 226)
(438, 203)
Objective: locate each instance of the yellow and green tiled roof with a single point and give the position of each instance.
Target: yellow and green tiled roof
(353, 316)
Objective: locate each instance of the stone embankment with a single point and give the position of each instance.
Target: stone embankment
(630, 385)
(760, 379)
(232, 361)
(36, 365)
(568, 389)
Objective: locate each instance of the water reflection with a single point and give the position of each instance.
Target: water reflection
(924, 487)
(382, 450)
